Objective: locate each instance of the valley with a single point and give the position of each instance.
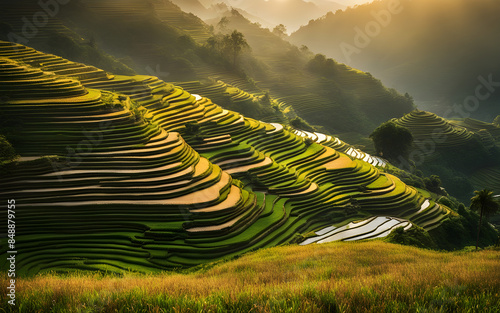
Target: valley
(217, 156)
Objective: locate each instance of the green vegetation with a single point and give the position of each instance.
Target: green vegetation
(463, 153)
(153, 167)
(299, 123)
(483, 202)
(415, 236)
(173, 193)
(318, 90)
(235, 43)
(228, 46)
(335, 277)
(84, 51)
(392, 141)
(280, 30)
(161, 40)
(322, 66)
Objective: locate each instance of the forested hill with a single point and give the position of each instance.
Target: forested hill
(320, 90)
(435, 50)
(158, 38)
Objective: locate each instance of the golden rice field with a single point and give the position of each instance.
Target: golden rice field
(337, 277)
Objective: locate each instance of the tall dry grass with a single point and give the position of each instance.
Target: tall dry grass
(337, 277)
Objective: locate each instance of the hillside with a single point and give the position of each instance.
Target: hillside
(438, 51)
(154, 38)
(291, 13)
(337, 277)
(321, 91)
(464, 153)
(334, 100)
(139, 174)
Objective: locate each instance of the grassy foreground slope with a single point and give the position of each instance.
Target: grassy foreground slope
(337, 277)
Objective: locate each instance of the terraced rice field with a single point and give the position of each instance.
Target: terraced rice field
(192, 25)
(341, 146)
(488, 133)
(428, 127)
(375, 227)
(430, 130)
(129, 187)
(488, 177)
(237, 94)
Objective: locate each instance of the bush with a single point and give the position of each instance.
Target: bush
(308, 141)
(322, 66)
(192, 128)
(392, 141)
(299, 123)
(415, 236)
(433, 184)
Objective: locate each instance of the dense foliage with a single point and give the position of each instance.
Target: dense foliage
(392, 141)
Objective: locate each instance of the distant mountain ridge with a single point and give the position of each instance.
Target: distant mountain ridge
(291, 13)
(162, 40)
(435, 50)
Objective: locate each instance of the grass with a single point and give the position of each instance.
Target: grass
(370, 276)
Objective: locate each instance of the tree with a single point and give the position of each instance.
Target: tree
(433, 184)
(322, 66)
(214, 43)
(192, 128)
(485, 203)
(308, 141)
(234, 43)
(301, 124)
(408, 96)
(392, 141)
(280, 31)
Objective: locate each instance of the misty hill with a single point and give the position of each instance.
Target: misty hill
(192, 6)
(144, 35)
(159, 39)
(319, 90)
(435, 50)
(140, 175)
(291, 13)
(351, 2)
(216, 10)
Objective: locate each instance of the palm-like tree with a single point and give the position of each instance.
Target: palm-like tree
(485, 203)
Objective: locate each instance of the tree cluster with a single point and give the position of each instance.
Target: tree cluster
(392, 141)
(229, 46)
(322, 66)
